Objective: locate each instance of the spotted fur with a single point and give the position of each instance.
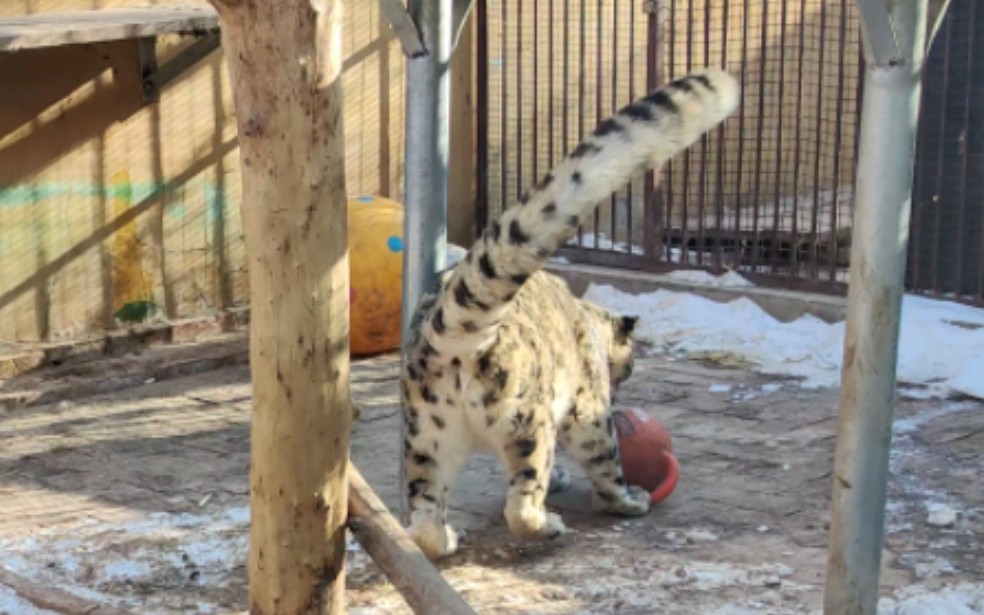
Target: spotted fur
(503, 357)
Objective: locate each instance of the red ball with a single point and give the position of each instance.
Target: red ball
(647, 453)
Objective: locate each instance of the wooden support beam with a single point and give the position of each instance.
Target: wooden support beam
(405, 565)
(285, 66)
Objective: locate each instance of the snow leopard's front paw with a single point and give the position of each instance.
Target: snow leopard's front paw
(632, 501)
(554, 527)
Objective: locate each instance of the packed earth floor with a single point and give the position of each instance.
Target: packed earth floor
(125, 482)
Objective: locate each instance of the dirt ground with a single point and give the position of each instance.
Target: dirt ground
(138, 497)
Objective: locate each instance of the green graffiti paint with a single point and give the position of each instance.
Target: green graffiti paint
(136, 311)
(28, 195)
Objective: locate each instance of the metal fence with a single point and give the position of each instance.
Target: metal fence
(946, 249)
(769, 193)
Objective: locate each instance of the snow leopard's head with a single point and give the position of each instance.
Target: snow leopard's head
(620, 352)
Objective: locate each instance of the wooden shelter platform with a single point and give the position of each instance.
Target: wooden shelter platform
(102, 25)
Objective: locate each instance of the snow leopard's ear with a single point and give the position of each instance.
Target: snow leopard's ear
(627, 325)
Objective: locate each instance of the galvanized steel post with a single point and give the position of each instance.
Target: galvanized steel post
(426, 153)
(895, 45)
(426, 163)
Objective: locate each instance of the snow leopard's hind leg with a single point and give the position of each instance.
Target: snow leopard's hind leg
(436, 450)
(588, 435)
(528, 456)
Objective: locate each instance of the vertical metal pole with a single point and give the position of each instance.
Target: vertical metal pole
(426, 160)
(894, 48)
(426, 153)
(482, 112)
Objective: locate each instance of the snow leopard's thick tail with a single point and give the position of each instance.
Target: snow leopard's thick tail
(642, 135)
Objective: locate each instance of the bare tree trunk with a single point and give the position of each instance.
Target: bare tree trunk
(284, 59)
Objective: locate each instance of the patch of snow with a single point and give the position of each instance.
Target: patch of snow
(100, 557)
(696, 327)
(940, 515)
(237, 516)
(941, 347)
(960, 599)
(455, 254)
(12, 604)
(783, 570)
(719, 388)
(970, 379)
(745, 393)
(50, 562)
(934, 566)
(125, 569)
(911, 424)
(701, 536)
(917, 392)
(912, 491)
(705, 576)
(736, 609)
(697, 277)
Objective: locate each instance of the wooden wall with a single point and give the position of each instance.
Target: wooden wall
(110, 207)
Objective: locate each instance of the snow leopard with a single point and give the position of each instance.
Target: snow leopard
(503, 357)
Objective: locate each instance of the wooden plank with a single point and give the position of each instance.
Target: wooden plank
(78, 27)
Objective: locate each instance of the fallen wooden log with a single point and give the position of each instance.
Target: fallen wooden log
(54, 599)
(403, 563)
